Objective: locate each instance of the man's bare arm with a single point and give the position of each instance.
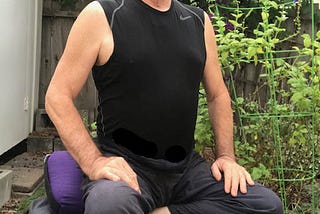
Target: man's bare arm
(90, 42)
(220, 112)
(218, 98)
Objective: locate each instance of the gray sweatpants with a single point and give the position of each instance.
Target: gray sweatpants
(187, 187)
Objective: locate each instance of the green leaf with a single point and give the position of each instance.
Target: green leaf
(264, 16)
(255, 59)
(318, 35)
(259, 50)
(296, 48)
(234, 23)
(240, 100)
(251, 52)
(242, 162)
(237, 16)
(279, 62)
(274, 4)
(221, 23)
(93, 126)
(263, 75)
(258, 33)
(260, 40)
(259, 172)
(307, 40)
(304, 131)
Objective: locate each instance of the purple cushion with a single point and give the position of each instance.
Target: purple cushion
(65, 177)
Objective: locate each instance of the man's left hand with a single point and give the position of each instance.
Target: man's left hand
(235, 176)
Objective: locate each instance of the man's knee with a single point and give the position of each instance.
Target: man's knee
(106, 196)
(266, 201)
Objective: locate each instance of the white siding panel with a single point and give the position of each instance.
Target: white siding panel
(19, 27)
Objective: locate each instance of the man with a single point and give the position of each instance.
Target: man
(148, 58)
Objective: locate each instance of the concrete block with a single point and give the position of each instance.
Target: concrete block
(27, 179)
(43, 122)
(26, 194)
(24, 179)
(58, 145)
(26, 159)
(40, 143)
(5, 185)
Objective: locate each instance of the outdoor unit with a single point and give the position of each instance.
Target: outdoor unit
(20, 33)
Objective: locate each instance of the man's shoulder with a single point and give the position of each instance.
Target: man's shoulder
(110, 7)
(189, 6)
(196, 11)
(110, 3)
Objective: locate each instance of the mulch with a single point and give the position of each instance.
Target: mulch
(11, 207)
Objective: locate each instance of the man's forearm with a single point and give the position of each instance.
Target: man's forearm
(220, 113)
(71, 129)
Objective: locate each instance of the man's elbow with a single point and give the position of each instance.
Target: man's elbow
(49, 101)
(58, 98)
(223, 94)
(53, 99)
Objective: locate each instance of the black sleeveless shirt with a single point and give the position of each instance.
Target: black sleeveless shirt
(148, 90)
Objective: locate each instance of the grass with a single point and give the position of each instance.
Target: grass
(25, 202)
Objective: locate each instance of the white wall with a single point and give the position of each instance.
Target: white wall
(20, 34)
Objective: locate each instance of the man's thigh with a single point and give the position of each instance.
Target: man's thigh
(105, 196)
(199, 192)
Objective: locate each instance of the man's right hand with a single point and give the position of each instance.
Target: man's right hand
(114, 169)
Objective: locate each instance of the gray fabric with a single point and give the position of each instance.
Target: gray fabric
(192, 189)
(40, 206)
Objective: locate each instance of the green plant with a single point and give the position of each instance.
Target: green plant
(93, 129)
(203, 132)
(25, 202)
(275, 138)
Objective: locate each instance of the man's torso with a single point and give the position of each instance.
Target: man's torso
(148, 90)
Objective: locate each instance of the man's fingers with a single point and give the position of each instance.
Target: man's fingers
(114, 169)
(235, 176)
(129, 178)
(243, 184)
(216, 172)
(227, 182)
(249, 179)
(131, 174)
(235, 185)
(122, 169)
(110, 176)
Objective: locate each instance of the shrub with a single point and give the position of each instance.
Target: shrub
(276, 122)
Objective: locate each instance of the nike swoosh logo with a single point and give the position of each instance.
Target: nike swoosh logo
(183, 18)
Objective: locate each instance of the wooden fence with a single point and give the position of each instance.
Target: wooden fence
(57, 21)
(56, 24)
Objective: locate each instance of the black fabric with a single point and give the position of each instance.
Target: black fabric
(186, 187)
(149, 87)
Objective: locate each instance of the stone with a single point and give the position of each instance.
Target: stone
(58, 145)
(28, 159)
(43, 122)
(5, 185)
(25, 179)
(40, 143)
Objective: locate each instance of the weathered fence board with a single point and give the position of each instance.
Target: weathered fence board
(56, 24)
